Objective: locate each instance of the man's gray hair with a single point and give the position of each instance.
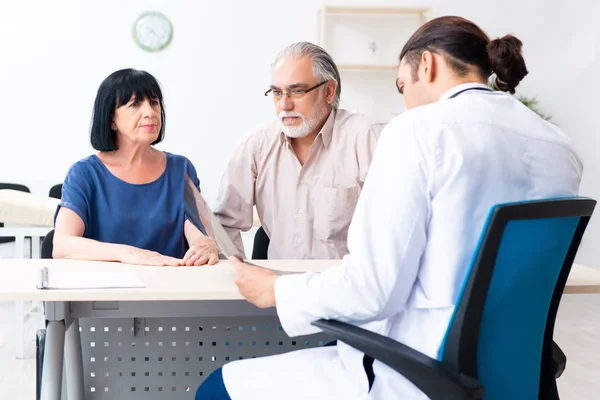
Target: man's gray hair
(324, 68)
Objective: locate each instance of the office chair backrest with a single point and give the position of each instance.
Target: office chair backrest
(14, 186)
(48, 245)
(56, 191)
(260, 249)
(502, 327)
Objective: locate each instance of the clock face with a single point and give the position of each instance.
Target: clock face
(152, 31)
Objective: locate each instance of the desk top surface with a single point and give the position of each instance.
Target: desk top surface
(20, 276)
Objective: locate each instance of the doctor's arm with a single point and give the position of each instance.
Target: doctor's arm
(386, 241)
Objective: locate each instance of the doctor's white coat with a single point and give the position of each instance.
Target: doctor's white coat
(437, 171)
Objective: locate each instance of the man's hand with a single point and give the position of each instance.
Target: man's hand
(203, 250)
(256, 284)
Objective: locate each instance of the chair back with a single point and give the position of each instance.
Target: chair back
(14, 186)
(260, 250)
(48, 245)
(56, 191)
(501, 330)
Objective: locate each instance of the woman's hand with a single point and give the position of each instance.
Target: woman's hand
(134, 255)
(204, 250)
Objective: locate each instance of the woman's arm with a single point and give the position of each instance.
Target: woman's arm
(69, 243)
(202, 250)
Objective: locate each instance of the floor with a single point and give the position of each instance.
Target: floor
(577, 332)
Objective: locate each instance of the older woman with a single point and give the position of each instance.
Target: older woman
(125, 203)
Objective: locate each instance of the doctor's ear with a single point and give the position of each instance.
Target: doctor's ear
(427, 66)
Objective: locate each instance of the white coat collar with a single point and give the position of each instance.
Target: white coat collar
(460, 87)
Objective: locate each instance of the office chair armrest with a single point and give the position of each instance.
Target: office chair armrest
(434, 378)
(559, 360)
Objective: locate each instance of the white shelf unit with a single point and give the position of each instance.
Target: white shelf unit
(367, 38)
(365, 43)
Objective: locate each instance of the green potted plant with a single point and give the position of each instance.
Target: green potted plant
(532, 104)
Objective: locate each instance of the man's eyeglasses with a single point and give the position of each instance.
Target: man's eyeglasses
(294, 93)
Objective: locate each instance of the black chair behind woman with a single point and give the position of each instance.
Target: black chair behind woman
(56, 191)
(47, 245)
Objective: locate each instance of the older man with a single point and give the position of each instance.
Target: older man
(304, 171)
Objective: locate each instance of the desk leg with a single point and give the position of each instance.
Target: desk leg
(20, 325)
(53, 361)
(35, 247)
(74, 362)
(20, 246)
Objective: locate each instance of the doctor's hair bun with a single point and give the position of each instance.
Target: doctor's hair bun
(507, 62)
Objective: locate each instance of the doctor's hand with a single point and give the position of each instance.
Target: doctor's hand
(256, 284)
(202, 251)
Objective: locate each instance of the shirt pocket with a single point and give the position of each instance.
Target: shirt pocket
(334, 207)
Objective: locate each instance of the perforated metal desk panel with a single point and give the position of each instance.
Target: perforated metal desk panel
(153, 358)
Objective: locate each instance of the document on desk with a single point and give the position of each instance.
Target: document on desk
(53, 278)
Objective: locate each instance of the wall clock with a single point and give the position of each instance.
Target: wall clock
(152, 31)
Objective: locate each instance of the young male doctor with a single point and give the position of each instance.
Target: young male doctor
(438, 169)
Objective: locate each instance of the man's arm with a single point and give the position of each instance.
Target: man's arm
(235, 200)
(386, 240)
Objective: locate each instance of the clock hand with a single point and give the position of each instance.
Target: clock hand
(152, 31)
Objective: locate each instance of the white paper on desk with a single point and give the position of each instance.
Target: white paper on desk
(69, 279)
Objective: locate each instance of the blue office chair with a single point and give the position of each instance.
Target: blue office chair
(499, 343)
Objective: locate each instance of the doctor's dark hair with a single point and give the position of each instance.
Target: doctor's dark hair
(116, 90)
(464, 46)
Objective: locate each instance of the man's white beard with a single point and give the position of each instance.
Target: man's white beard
(308, 124)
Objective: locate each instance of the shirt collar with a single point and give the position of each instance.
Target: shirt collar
(326, 131)
(460, 87)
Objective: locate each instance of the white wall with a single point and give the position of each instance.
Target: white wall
(53, 56)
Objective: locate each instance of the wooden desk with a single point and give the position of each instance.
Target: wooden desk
(19, 277)
(206, 291)
(173, 292)
(583, 280)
